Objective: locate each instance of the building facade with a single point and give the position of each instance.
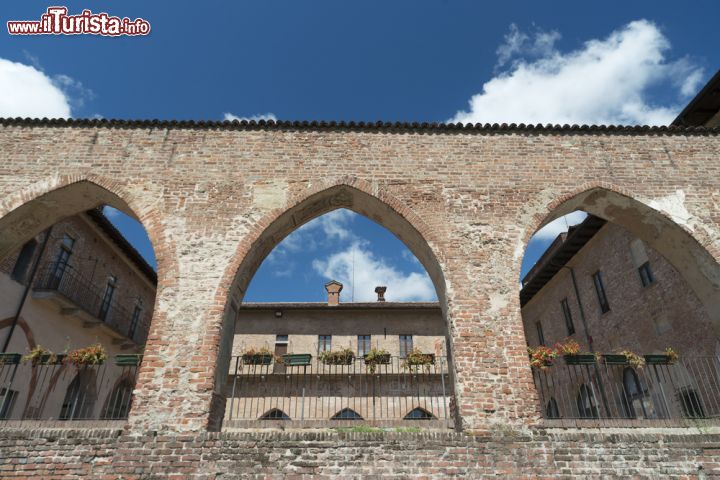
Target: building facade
(407, 380)
(75, 285)
(607, 290)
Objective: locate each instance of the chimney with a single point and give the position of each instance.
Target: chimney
(333, 288)
(381, 293)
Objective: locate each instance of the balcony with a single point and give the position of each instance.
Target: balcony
(263, 393)
(56, 391)
(65, 286)
(616, 394)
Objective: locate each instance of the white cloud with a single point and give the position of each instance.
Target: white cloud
(262, 116)
(369, 272)
(603, 82)
(26, 91)
(558, 226)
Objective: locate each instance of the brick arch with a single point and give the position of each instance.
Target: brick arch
(427, 249)
(349, 192)
(687, 247)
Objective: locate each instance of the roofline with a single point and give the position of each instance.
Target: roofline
(574, 242)
(341, 306)
(712, 84)
(133, 255)
(380, 126)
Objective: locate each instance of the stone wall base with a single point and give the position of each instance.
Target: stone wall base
(113, 453)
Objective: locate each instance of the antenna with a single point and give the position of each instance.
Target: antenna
(352, 294)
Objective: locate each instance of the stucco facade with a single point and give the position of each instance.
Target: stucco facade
(62, 312)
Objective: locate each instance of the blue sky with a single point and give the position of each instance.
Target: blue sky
(564, 62)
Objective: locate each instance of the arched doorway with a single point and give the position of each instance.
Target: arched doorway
(385, 212)
(621, 282)
(71, 275)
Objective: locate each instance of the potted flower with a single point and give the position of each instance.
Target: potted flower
(668, 358)
(259, 356)
(541, 356)
(40, 356)
(92, 355)
(338, 357)
(626, 357)
(570, 350)
(375, 357)
(416, 359)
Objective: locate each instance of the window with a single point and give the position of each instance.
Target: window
(134, 322)
(587, 406)
(419, 414)
(107, 297)
(568, 316)
(7, 402)
(600, 290)
(347, 414)
(646, 275)
(118, 403)
(275, 414)
(634, 399)
(23, 262)
(79, 397)
(324, 343)
(406, 345)
(551, 411)
(363, 345)
(691, 405)
(541, 337)
(281, 339)
(62, 260)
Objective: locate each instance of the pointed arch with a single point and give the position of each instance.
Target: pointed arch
(275, 414)
(369, 200)
(347, 414)
(681, 239)
(419, 413)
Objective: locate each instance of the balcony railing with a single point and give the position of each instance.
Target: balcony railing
(69, 282)
(386, 393)
(58, 391)
(685, 392)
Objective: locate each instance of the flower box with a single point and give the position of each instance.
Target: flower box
(615, 359)
(579, 359)
(257, 359)
(10, 358)
(128, 359)
(383, 359)
(660, 359)
(297, 359)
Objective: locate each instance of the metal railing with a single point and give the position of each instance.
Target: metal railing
(681, 393)
(66, 280)
(391, 391)
(60, 391)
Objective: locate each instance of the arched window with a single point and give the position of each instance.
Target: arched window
(275, 414)
(587, 406)
(635, 397)
(119, 400)
(419, 414)
(551, 410)
(347, 414)
(79, 397)
(20, 270)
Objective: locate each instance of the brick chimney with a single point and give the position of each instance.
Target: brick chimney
(333, 288)
(381, 293)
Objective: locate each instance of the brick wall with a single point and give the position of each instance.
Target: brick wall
(213, 198)
(106, 453)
